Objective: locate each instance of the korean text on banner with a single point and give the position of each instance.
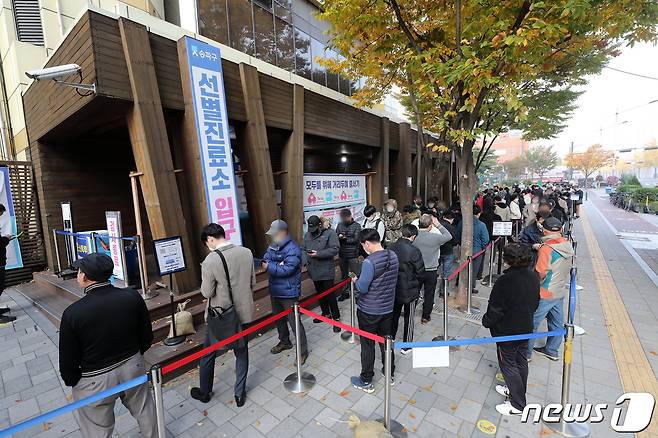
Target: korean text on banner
(209, 101)
(325, 194)
(113, 221)
(8, 222)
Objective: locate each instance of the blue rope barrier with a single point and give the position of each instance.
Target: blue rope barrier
(478, 341)
(73, 406)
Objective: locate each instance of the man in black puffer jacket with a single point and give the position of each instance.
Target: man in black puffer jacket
(348, 236)
(407, 289)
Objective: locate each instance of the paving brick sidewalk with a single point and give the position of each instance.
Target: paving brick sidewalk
(429, 402)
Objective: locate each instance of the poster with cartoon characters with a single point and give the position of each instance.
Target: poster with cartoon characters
(325, 194)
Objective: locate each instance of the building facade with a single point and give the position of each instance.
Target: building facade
(509, 146)
(283, 125)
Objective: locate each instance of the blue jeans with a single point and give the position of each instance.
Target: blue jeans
(553, 311)
(446, 262)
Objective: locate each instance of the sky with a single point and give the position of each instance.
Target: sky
(594, 119)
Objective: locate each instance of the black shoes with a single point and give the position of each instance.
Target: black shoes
(304, 357)
(475, 292)
(196, 394)
(241, 399)
(336, 328)
(5, 319)
(4, 310)
(280, 347)
(344, 296)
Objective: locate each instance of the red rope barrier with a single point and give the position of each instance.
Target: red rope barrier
(344, 326)
(216, 346)
(476, 255)
(321, 295)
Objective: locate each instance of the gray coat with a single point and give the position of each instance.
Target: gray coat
(321, 267)
(240, 263)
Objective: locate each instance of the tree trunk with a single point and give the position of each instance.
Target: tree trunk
(468, 184)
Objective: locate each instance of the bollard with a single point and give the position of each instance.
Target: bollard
(346, 336)
(298, 382)
(156, 379)
(59, 265)
(568, 429)
(394, 428)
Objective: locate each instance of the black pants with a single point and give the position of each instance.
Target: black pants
(347, 265)
(378, 325)
(207, 367)
(328, 303)
(409, 310)
(513, 363)
(279, 305)
(2, 279)
(429, 282)
(476, 269)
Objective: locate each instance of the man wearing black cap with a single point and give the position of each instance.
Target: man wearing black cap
(102, 339)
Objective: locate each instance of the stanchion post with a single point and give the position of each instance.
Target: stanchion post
(394, 428)
(491, 257)
(499, 271)
(59, 264)
(445, 308)
(469, 277)
(347, 336)
(175, 339)
(568, 429)
(156, 379)
(298, 382)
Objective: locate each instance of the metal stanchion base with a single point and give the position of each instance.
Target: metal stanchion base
(474, 311)
(299, 386)
(579, 331)
(349, 337)
(570, 430)
(397, 430)
(170, 342)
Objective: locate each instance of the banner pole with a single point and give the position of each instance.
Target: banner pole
(346, 336)
(298, 382)
(59, 264)
(156, 378)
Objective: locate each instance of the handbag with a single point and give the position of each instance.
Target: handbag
(184, 321)
(224, 322)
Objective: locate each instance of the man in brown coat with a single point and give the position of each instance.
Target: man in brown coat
(214, 286)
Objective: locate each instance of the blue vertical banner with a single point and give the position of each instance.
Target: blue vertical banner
(8, 222)
(216, 154)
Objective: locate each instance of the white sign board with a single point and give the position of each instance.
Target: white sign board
(169, 255)
(114, 231)
(216, 154)
(8, 222)
(409, 182)
(325, 194)
(431, 357)
(502, 228)
(575, 197)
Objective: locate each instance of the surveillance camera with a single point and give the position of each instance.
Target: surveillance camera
(57, 72)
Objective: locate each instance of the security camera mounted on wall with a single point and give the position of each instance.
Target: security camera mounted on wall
(58, 73)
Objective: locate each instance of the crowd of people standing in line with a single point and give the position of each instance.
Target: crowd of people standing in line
(394, 259)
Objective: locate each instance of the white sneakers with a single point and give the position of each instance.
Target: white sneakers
(505, 408)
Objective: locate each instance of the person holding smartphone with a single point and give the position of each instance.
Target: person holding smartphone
(320, 246)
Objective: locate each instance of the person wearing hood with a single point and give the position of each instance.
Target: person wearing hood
(392, 221)
(553, 265)
(348, 237)
(283, 263)
(374, 220)
(319, 247)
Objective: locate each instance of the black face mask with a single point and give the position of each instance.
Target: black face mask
(347, 221)
(316, 232)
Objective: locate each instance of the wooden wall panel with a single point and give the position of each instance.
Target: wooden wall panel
(277, 102)
(292, 189)
(328, 118)
(233, 86)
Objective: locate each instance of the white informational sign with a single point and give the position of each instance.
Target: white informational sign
(325, 194)
(8, 222)
(431, 357)
(409, 182)
(212, 124)
(575, 197)
(114, 231)
(169, 255)
(502, 228)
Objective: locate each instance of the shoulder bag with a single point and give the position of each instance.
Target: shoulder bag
(224, 323)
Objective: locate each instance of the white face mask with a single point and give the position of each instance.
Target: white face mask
(430, 205)
(390, 209)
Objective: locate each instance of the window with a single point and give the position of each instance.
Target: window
(265, 42)
(241, 35)
(285, 49)
(303, 61)
(332, 78)
(319, 73)
(282, 10)
(267, 4)
(28, 21)
(213, 20)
